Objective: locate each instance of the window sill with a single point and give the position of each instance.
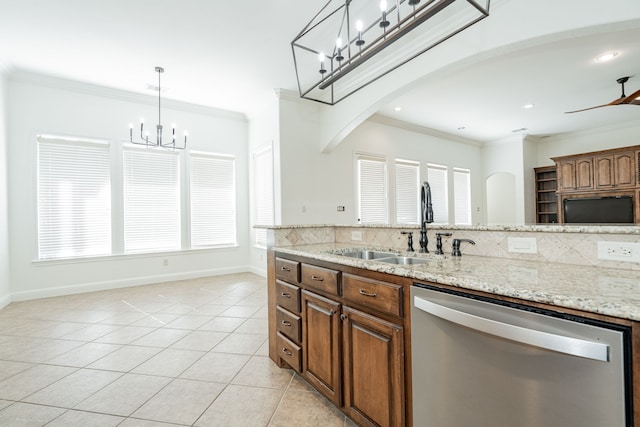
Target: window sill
(122, 257)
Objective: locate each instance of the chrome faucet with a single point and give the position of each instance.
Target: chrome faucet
(426, 215)
(456, 246)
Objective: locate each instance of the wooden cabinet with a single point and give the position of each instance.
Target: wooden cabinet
(344, 333)
(575, 174)
(546, 198)
(322, 366)
(614, 171)
(373, 369)
(598, 174)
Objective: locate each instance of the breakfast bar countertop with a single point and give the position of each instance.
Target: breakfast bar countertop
(608, 291)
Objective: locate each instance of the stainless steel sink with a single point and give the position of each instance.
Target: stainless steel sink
(404, 260)
(366, 254)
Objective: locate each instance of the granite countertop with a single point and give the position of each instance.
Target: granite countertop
(600, 290)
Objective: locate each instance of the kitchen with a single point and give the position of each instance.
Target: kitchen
(306, 193)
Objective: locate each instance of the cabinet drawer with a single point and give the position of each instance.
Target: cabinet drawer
(320, 278)
(289, 352)
(289, 324)
(381, 296)
(288, 270)
(288, 296)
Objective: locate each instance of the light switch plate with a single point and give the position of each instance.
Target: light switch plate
(356, 235)
(522, 245)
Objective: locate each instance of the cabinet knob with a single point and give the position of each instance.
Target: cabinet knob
(285, 269)
(286, 323)
(286, 351)
(317, 278)
(285, 295)
(343, 317)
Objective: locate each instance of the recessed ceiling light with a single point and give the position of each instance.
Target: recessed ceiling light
(527, 106)
(397, 109)
(462, 127)
(519, 130)
(608, 56)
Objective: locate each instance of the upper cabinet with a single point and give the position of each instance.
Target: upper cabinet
(575, 174)
(615, 170)
(607, 170)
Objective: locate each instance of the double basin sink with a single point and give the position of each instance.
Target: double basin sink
(387, 257)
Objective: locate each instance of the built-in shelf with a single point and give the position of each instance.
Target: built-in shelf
(546, 198)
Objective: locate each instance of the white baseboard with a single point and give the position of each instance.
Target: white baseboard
(5, 301)
(259, 271)
(123, 283)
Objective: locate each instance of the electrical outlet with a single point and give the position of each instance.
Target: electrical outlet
(340, 208)
(619, 251)
(356, 235)
(522, 245)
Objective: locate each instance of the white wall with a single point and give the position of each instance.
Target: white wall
(5, 290)
(315, 183)
(38, 104)
(597, 139)
(263, 132)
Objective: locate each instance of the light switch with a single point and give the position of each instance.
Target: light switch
(522, 245)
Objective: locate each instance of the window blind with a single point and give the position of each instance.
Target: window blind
(462, 196)
(372, 190)
(263, 191)
(213, 200)
(437, 178)
(74, 198)
(407, 192)
(151, 192)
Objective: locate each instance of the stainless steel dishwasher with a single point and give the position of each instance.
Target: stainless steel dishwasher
(483, 362)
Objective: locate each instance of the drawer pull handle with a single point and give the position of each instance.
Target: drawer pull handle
(317, 278)
(285, 295)
(285, 269)
(286, 323)
(367, 294)
(287, 352)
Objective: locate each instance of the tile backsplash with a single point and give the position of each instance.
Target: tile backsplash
(577, 246)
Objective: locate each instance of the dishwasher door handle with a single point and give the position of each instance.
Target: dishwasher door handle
(567, 345)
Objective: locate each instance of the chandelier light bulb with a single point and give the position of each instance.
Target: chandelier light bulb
(359, 27)
(384, 23)
(339, 43)
(321, 57)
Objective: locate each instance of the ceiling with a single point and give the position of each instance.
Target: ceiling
(216, 54)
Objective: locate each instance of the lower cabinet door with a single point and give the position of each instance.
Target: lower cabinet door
(373, 369)
(321, 364)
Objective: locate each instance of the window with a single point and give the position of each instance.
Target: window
(462, 196)
(263, 191)
(437, 178)
(74, 198)
(151, 186)
(372, 189)
(407, 192)
(213, 200)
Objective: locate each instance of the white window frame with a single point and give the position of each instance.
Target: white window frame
(151, 224)
(372, 194)
(407, 192)
(462, 196)
(212, 195)
(263, 204)
(437, 176)
(74, 200)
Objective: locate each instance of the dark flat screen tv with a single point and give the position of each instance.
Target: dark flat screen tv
(599, 210)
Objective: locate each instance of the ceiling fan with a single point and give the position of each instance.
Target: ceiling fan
(633, 99)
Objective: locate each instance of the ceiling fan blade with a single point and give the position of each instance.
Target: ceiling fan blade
(587, 109)
(632, 99)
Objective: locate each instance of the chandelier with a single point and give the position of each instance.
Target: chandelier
(350, 43)
(144, 135)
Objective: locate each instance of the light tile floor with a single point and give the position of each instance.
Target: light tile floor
(191, 353)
